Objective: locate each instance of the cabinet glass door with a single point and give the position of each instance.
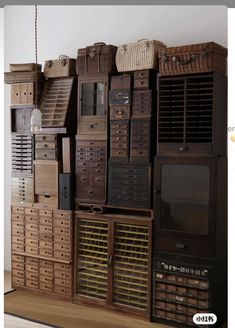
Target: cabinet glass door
(92, 102)
(185, 198)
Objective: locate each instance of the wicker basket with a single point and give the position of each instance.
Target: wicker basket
(22, 77)
(195, 58)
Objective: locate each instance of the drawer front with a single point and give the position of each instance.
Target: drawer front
(32, 284)
(65, 268)
(46, 271)
(18, 281)
(31, 211)
(18, 274)
(45, 221)
(31, 235)
(119, 153)
(46, 213)
(62, 214)
(142, 83)
(61, 239)
(46, 264)
(31, 276)
(63, 283)
(119, 128)
(67, 256)
(45, 229)
(31, 250)
(31, 227)
(46, 279)
(17, 265)
(120, 97)
(63, 275)
(32, 268)
(32, 261)
(46, 154)
(63, 290)
(17, 247)
(141, 74)
(45, 244)
(17, 210)
(45, 138)
(31, 219)
(62, 223)
(45, 145)
(17, 217)
(17, 239)
(91, 194)
(92, 127)
(46, 252)
(46, 286)
(119, 113)
(17, 258)
(121, 82)
(31, 242)
(17, 231)
(62, 247)
(45, 236)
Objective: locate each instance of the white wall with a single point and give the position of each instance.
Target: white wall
(64, 29)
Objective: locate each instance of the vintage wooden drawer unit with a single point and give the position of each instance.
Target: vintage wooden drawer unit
(145, 79)
(192, 114)
(93, 107)
(23, 94)
(129, 185)
(142, 103)
(91, 167)
(42, 275)
(46, 173)
(190, 204)
(113, 262)
(119, 140)
(20, 119)
(22, 148)
(22, 189)
(180, 291)
(57, 104)
(48, 146)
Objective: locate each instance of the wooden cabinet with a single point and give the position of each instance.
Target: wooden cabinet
(22, 147)
(23, 94)
(192, 115)
(48, 146)
(93, 107)
(22, 190)
(91, 167)
(119, 140)
(129, 185)
(113, 262)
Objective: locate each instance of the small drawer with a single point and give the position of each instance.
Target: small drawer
(31, 261)
(31, 234)
(17, 217)
(31, 250)
(31, 227)
(46, 279)
(120, 97)
(63, 214)
(92, 127)
(62, 247)
(63, 275)
(18, 281)
(65, 268)
(62, 223)
(18, 273)
(17, 247)
(46, 137)
(63, 291)
(139, 153)
(44, 220)
(46, 271)
(142, 74)
(17, 226)
(66, 256)
(46, 252)
(46, 213)
(32, 284)
(17, 210)
(31, 211)
(17, 239)
(45, 229)
(46, 286)
(60, 231)
(46, 264)
(46, 237)
(32, 268)
(45, 145)
(45, 244)
(33, 219)
(17, 258)
(62, 239)
(119, 113)
(50, 154)
(119, 153)
(141, 83)
(63, 283)
(121, 82)
(31, 276)
(17, 265)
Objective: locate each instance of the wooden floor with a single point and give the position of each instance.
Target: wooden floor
(65, 314)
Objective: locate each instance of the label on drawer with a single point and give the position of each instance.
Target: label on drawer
(204, 318)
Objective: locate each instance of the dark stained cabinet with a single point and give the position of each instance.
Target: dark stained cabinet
(192, 116)
(113, 262)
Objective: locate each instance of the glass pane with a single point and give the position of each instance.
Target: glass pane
(185, 198)
(93, 99)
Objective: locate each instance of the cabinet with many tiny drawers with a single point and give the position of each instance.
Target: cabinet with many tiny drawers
(91, 166)
(113, 261)
(42, 275)
(22, 147)
(42, 233)
(129, 185)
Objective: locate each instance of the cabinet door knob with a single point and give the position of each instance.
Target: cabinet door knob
(92, 126)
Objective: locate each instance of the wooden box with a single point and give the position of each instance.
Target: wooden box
(20, 119)
(23, 94)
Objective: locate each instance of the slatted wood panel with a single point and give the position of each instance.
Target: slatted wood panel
(199, 109)
(22, 154)
(131, 265)
(92, 276)
(55, 101)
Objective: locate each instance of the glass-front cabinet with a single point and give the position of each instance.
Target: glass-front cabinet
(92, 106)
(185, 200)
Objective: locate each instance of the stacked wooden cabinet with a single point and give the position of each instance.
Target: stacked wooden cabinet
(189, 269)
(42, 217)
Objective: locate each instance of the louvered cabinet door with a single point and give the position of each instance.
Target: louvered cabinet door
(192, 114)
(91, 259)
(132, 267)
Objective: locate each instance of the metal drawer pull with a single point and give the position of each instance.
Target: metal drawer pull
(180, 246)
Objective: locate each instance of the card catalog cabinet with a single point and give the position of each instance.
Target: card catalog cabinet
(91, 167)
(22, 148)
(113, 262)
(129, 185)
(192, 114)
(93, 106)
